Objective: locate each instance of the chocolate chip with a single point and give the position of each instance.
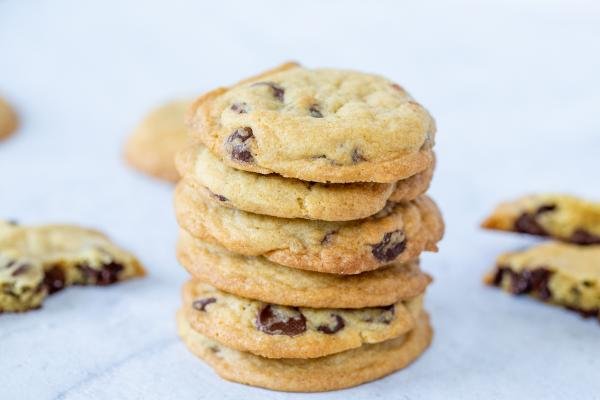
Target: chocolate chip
(390, 247)
(583, 237)
(107, 274)
(315, 112)
(539, 279)
(335, 325)
(527, 222)
(217, 196)
(214, 349)
(534, 281)
(277, 320)
(21, 269)
(383, 315)
(201, 304)
(277, 90)
(397, 87)
(328, 238)
(54, 279)
(357, 156)
(240, 108)
(238, 145)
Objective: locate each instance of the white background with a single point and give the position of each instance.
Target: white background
(515, 89)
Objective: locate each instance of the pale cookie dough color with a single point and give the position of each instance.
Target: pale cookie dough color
(258, 278)
(398, 233)
(8, 120)
(562, 217)
(153, 145)
(41, 260)
(554, 272)
(337, 371)
(321, 125)
(282, 197)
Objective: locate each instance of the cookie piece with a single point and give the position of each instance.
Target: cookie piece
(41, 260)
(8, 119)
(291, 198)
(321, 125)
(398, 233)
(259, 278)
(276, 331)
(562, 217)
(559, 273)
(151, 148)
(337, 371)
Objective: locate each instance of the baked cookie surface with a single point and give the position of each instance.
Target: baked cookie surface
(151, 148)
(8, 119)
(337, 371)
(321, 125)
(258, 278)
(40, 260)
(398, 233)
(282, 197)
(276, 331)
(562, 217)
(554, 272)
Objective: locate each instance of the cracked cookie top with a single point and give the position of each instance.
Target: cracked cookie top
(322, 125)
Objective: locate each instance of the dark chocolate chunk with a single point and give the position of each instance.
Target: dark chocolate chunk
(527, 222)
(277, 90)
(539, 279)
(107, 274)
(238, 145)
(357, 156)
(315, 112)
(533, 281)
(277, 320)
(201, 304)
(585, 238)
(240, 108)
(54, 279)
(328, 237)
(390, 247)
(335, 325)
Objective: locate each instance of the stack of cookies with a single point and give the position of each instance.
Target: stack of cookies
(302, 219)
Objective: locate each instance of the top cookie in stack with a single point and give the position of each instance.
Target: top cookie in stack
(306, 189)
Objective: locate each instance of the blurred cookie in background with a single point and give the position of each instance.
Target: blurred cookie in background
(8, 119)
(151, 148)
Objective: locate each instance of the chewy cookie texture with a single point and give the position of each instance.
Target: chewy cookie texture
(38, 261)
(321, 125)
(303, 214)
(558, 273)
(152, 147)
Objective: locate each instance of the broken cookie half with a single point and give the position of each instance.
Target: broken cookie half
(37, 261)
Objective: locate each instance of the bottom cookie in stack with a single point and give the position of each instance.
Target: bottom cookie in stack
(336, 371)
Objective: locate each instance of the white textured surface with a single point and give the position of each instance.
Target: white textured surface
(515, 89)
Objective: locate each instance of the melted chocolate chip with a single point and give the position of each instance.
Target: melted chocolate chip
(201, 304)
(585, 238)
(275, 320)
(238, 145)
(315, 112)
(357, 156)
(335, 325)
(54, 280)
(240, 108)
(390, 247)
(534, 281)
(527, 222)
(107, 274)
(277, 90)
(328, 238)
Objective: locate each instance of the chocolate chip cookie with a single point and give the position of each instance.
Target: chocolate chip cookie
(8, 119)
(276, 331)
(554, 272)
(291, 198)
(398, 233)
(321, 125)
(152, 146)
(562, 217)
(337, 371)
(258, 278)
(41, 260)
